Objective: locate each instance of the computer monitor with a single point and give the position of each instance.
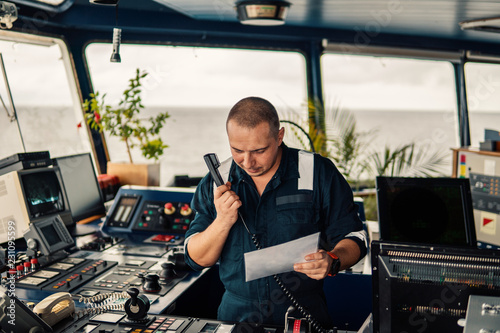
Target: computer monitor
(28, 196)
(426, 211)
(82, 187)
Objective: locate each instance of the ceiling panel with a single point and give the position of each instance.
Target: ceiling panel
(431, 17)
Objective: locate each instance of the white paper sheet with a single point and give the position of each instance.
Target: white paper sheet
(280, 258)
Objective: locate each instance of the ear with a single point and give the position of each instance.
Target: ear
(281, 135)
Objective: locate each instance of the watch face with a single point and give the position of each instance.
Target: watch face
(335, 267)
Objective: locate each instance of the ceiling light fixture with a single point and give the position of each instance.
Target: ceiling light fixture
(262, 12)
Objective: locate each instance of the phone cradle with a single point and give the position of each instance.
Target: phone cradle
(137, 308)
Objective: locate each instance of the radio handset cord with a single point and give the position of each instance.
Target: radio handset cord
(213, 164)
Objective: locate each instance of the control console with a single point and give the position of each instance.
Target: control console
(64, 275)
(138, 247)
(118, 322)
(164, 214)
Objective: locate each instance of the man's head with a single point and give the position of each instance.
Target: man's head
(251, 111)
(254, 136)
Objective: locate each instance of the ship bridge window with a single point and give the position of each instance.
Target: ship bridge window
(483, 99)
(47, 108)
(197, 86)
(394, 102)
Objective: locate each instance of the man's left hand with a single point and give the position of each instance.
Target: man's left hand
(317, 265)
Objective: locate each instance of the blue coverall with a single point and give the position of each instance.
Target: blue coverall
(283, 213)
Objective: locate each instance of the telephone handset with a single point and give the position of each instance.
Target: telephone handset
(20, 318)
(55, 308)
(213, 163)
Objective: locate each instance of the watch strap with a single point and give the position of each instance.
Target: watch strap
(334, 269)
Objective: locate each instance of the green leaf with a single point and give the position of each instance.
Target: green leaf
(123, 121)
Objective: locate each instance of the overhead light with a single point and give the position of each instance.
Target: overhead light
(105, 2)
(262, 12)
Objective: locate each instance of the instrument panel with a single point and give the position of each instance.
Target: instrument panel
(145, 210)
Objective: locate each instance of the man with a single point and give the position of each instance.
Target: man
(282, 194)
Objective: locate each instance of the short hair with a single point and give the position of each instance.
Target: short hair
(252, 111)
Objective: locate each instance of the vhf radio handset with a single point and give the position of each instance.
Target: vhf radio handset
(213, 164)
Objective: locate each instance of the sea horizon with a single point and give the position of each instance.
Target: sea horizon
(192, 132)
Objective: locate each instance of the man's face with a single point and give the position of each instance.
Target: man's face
(254, 149)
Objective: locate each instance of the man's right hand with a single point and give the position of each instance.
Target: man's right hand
(226, 203)
(205, 247)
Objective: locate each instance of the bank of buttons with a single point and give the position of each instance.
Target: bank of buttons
(132, 272)
(93, 267)
(494, 187)
(147, 217)
(181, 224)
(65, 282)
(166, 324)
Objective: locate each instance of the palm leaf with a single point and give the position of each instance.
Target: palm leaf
(352, 150)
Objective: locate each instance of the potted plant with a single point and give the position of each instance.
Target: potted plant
(124, 122)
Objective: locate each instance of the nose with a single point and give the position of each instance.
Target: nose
(248, 160)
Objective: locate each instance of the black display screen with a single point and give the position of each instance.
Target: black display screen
(43, 193)
(51, 235)
(425, 210)
(81, 185)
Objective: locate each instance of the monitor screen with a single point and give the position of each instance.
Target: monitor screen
(51, 235)
(43, 192)
(426, 210)
(81, 185)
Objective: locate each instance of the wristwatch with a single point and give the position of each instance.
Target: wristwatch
(335, 268)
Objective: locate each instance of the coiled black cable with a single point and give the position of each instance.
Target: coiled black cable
(314, 323)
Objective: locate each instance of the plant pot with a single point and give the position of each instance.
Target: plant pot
(135, 174)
